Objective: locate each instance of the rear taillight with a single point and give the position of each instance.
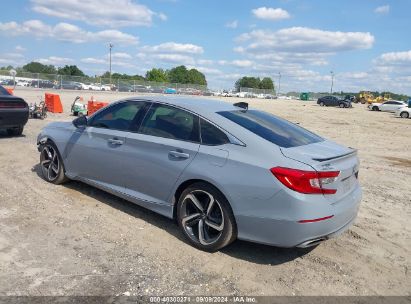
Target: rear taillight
(309, 182)
(12, 105)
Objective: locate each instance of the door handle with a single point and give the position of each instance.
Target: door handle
(115, 141)
(178, 154)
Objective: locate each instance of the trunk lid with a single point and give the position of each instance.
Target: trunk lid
(329, 156)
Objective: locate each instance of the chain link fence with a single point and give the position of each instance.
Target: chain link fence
(66, 82)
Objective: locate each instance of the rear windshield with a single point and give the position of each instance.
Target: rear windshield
(274, 129)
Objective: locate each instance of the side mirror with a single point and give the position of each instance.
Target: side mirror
(80, 122)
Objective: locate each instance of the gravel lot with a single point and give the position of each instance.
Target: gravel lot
(76, 240)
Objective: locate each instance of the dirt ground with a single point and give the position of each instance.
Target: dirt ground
(76, 240)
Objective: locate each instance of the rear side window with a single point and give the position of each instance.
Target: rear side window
(274, 129)
(211, 135)
(170, 122)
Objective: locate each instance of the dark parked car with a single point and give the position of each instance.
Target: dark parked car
(14, 112)
(69, 85)
(332, 101)
(46, 84)
(125, 88)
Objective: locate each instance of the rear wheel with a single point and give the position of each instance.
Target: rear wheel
(205, 217)
(15, 131)
(341, 105)
(51, 164)
(404, 115)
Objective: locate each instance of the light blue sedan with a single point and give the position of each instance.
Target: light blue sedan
(223, 171)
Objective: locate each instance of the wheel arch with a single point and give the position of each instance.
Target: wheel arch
(187, 183)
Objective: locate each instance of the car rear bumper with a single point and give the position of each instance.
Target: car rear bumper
(12, 118)
(291, 233)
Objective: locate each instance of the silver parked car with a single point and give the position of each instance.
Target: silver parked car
(223, 171)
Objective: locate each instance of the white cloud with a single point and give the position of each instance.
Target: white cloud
(384, 9)
(269, 13)
(232, 24)
(174, 58)
(19, 48)
(65, 32)
(98, 12)
(120, 55)
(242, 63)
(303, 40)
(54, 60)
(173, 47)
(205, 61)
(93, 60)
(395, 58)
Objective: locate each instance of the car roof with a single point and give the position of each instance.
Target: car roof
(195, 104)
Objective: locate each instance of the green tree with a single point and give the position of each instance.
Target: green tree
(247, 82)
(178, 74)
(37, 67)
(267, 84)
(196, 77)
(71, 70)
(158, 75)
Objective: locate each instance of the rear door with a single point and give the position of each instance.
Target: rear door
(97, 151)
(156, 155)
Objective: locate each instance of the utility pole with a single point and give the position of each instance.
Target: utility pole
(279, 83)
(332, 81)
(110, 45)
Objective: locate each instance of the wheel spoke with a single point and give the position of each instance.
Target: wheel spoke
(210, 205)
(55, 168)
(214, 225)
(202, 233)
(190, 220)
(45, 162)
(49, 171)
(48, 153)
(196, 202)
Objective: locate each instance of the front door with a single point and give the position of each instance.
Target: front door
(96, 152)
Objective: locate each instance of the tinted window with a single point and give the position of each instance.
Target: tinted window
(389, 102)
(3, 91)
(170, 122)
(117, 117)
(274, 129)
(211, 135)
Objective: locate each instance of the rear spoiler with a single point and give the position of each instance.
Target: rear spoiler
(353, 152)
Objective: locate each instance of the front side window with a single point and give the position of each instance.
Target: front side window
(170, 122)
(274, 129)
(211, 135)
(117, 117)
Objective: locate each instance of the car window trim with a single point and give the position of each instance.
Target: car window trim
(214, 125)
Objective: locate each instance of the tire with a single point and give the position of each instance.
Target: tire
(15, 131)
(322, 104)
(341, 105)
(404, 115)
(375, 108)
(206, 227)
(51, 164)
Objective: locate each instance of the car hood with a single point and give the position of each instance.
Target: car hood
(60, 125)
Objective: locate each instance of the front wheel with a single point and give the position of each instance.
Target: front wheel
(51, 164)
(205, 217)
(375, 108)
(404, 115)
(321, 104)
(341, 105)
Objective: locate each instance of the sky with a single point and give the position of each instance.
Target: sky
(364, 44)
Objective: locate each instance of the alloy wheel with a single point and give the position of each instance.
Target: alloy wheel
(49, 162)
(202, 217)
(404, 115)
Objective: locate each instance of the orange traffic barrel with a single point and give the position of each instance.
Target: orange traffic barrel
(94, 106)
